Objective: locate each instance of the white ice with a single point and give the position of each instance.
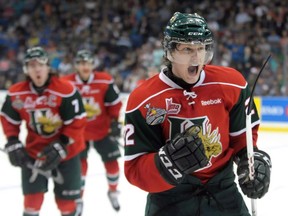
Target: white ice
(132, 199)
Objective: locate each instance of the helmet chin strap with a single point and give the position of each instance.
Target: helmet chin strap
(25, 69)
(169, 56)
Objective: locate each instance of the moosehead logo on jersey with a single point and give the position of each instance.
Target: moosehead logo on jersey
(45, 122)
(91, 107)
(211, 141)
(209, 137)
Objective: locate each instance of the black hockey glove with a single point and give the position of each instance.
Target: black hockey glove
(259, 186)
(184, 154)
(115, 129)
(52, 155)
(17, 153)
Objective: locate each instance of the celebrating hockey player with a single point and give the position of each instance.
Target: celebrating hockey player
(186, 126)
(55, 121)
(102, 104)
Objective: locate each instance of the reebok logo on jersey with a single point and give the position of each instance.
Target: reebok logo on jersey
(211, 102)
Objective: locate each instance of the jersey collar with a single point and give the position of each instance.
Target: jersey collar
(79, 80)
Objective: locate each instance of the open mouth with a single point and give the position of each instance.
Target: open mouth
(192, 70)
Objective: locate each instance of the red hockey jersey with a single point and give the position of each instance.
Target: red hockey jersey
(159, 109)
(101, 101)
(58, 110)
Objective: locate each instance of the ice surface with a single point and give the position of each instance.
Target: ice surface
(132, 199)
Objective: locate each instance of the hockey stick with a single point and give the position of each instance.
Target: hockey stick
(249, 138)
(58, 178)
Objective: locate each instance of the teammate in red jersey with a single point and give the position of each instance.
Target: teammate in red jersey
(55, 120)
(102, 104)
(186, 126)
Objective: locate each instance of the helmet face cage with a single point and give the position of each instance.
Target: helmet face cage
(35, 53)
(188, 29)
(172, 47)
(84, 55)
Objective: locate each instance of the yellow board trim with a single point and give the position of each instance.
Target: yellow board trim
(258, 103)
(273, 129)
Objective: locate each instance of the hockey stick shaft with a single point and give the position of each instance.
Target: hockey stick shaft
(249, 137)
(250, 156)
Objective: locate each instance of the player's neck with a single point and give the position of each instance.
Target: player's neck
(178, 80)
(40, 89)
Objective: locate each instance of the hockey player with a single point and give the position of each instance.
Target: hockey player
(55, 121)
(102, 104)
(186, 126)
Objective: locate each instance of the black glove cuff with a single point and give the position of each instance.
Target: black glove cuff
(61, 149)
(13, 144)
(12, 138)
(167, 169)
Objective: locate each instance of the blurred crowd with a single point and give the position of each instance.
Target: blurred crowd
(126, 36)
